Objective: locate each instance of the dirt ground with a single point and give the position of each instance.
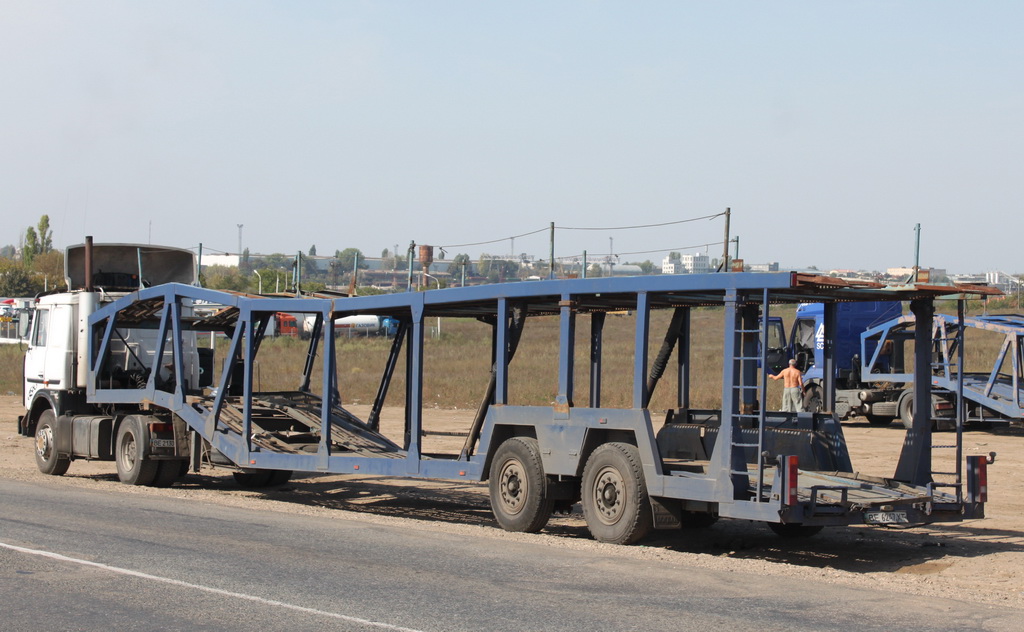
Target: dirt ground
(978, 560)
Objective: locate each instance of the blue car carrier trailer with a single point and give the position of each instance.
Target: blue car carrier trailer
(155, 414)
(992, 395)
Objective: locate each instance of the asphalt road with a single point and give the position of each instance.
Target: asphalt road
(74, 559)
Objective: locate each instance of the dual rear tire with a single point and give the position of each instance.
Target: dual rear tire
(613, 491)
(133, 466)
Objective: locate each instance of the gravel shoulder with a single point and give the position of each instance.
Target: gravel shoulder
(980, 561)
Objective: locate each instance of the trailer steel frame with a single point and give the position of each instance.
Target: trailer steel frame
(747, 471)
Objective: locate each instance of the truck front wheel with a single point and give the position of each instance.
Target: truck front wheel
(133, 468)
(812, 398)
(47, 458)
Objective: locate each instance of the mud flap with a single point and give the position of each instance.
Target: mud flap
(667, 513)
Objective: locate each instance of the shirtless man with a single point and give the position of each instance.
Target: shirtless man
(792, 394)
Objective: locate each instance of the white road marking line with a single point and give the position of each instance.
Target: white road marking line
(216, 591)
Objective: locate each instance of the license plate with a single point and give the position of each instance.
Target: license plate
(161, 443)
(886, 517)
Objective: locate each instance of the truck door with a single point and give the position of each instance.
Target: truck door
(776, 352)
(804, 341)
(35, 356)
(50, 358)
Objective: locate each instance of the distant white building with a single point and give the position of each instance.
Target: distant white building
(764, 267)
(225, 259)
(686, 264)
(696, 263)
(933, 273)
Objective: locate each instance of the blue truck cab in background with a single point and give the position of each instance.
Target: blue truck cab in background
(805, 344)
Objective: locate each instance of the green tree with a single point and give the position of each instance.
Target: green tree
(458, 261)
(347, 257)
(45, 235)
(225, 278)
(276, 261)
(497, 270)
(31, 247)
(38, 240)
(15, 280)
(49, 268)
(312, 250)
(646, 266)
(245, 264)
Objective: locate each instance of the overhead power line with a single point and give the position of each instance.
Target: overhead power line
(641, 252)
(681, 221)
(547, 228)
(494, 241)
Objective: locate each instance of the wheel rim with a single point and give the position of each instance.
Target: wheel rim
(514, 487)
(44, 442)
(129, 451)
(609, 495)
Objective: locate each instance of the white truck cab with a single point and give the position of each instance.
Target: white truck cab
(56, 362)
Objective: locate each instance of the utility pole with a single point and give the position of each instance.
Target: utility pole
(408, 285)
(725, 252)
(551, 271)
(917, 252)
(611, 253)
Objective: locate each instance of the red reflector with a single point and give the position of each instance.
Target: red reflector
(252, 462)
(462, 472)
(791, 480)
(355, 467)
(159, 426)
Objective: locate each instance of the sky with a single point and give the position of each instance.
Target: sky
(828, 128)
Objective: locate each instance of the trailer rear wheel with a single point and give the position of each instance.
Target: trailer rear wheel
(794, 530)
(518, 486)
(133, 468)
(47, 458)
(615, 502)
